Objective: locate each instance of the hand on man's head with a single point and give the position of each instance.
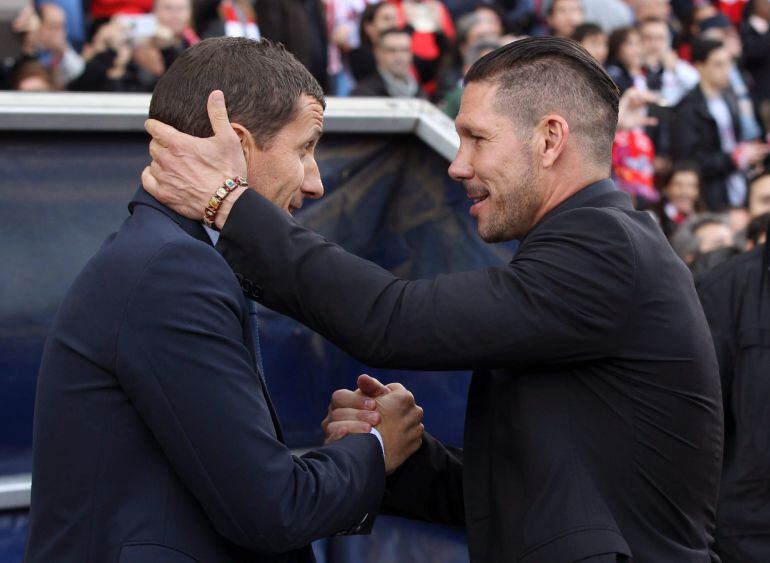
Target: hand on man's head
(391, 409)
(186, 171)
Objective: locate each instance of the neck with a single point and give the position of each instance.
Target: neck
(563, 190)
(709, 90)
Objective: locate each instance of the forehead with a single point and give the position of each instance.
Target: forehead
(684, 176)
(718, 55)
(309, 115)
(654, 28)
(478, 111)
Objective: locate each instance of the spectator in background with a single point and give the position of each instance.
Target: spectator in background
(451, 102)
(472, 28)
(375, 19)
(76, 21)
(759, 194)
(756, 232)
(226, 18)
(594, 40)
(433, 34)
(393, 53)
(520, 15)
(342, 20)
(301, 27)
(707, 128)
(563, 16)
(666, 72)
(109, 67)
(492, 15)
(46, 41)
(102, 11)
(625, 62)
(651, 9)
(698, 239)
(681, 196)
(755, 33)
(633, 152)
(31, 76)
(719, 28)
(173, 35)
(608, 14)
(736, 301)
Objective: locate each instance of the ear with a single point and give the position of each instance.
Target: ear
(553, 132)
(248, 143)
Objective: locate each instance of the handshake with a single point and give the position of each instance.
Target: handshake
(388, 408)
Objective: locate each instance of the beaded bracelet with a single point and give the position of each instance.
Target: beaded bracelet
(216, 200)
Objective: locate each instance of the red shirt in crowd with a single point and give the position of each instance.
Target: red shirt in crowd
(101, 9)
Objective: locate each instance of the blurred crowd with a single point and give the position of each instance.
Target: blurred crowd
(695, 152)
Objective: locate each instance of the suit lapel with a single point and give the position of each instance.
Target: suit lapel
(195, 229)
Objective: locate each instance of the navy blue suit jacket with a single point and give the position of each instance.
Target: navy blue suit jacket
(155, 439)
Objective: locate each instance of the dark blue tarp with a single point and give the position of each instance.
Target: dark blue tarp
(388, 199)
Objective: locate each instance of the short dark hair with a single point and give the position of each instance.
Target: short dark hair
(616, 41)
(702, 49)
(682, 166)
(367, 17)
(392, 31)
(538, 75)
(262, 83)
(30, 68)
(586, 30)
(757, 227)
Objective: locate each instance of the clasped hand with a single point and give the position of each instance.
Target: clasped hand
(390, 409)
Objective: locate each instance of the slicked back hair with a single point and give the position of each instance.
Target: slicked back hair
(541, 75)
(261, 81)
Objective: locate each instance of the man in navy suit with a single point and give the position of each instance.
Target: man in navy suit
(155, 438)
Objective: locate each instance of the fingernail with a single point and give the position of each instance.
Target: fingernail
(369, 404)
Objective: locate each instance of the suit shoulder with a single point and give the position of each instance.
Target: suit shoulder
(741, 269)
(607, 224)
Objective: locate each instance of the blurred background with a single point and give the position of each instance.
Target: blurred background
(697, 160)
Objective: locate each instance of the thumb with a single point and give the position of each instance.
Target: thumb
(370, 387)
(217, 111)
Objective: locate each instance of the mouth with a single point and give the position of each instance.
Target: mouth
(478, 199)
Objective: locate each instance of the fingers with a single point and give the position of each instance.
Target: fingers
(344, 398)
(347, 414)
(162, 133)
(371, 387)
(336, 430)
(148, 180)
(217, 111)
(157, 150)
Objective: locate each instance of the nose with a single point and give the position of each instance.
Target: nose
(313, 187)
(460, 169)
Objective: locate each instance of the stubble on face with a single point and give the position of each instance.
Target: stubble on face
(515, 204)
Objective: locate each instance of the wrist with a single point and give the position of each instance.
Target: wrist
(226, 206)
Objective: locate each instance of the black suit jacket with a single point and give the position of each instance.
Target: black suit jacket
(594, 420)
(695, 136)
(736, 299)
(155, 440)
